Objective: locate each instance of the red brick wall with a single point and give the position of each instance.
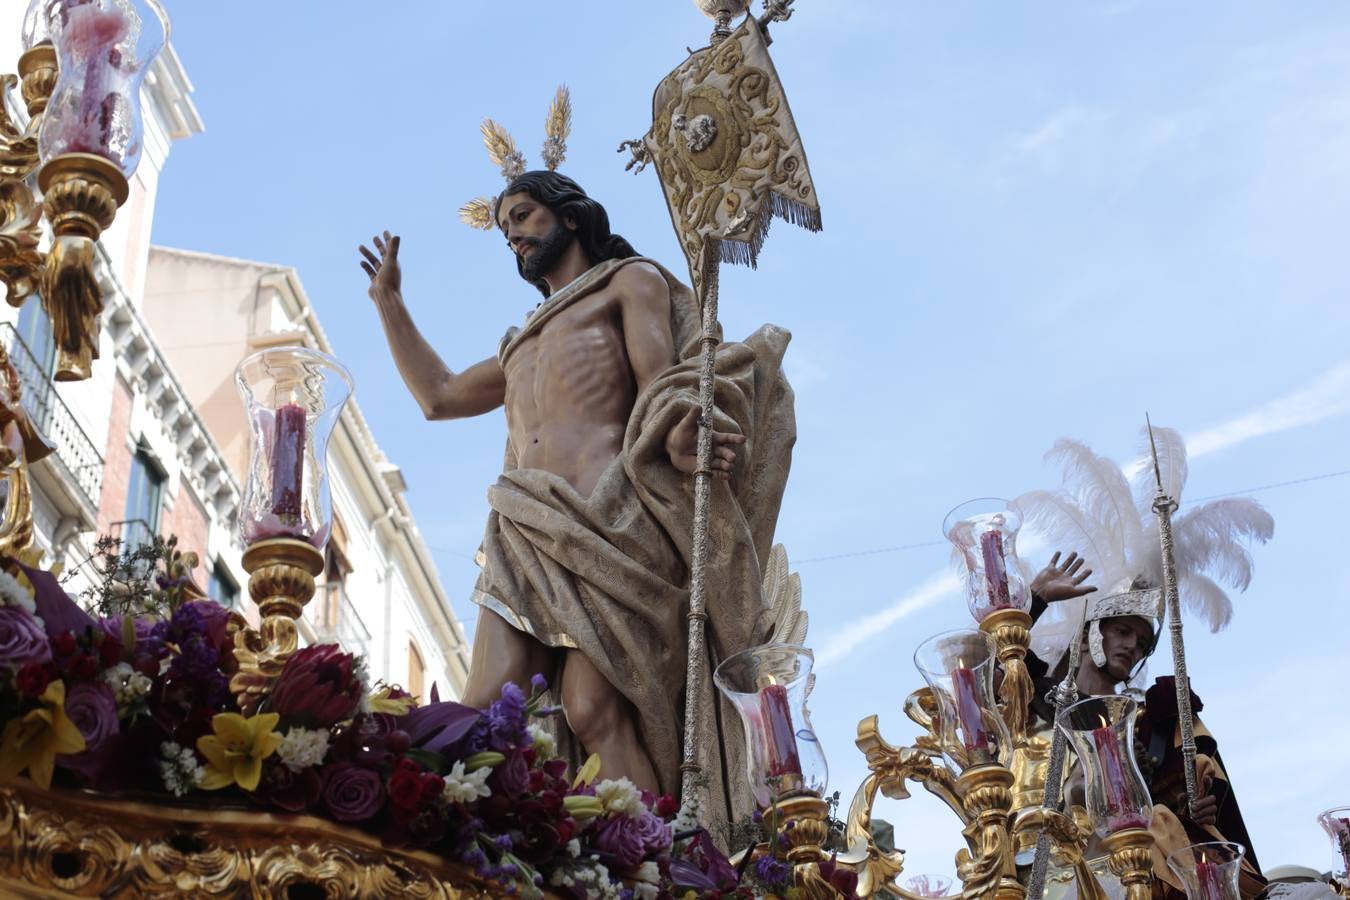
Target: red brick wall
(187, 519)
(112, 502)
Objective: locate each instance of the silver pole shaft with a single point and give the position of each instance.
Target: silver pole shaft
(691, 769)
(1163, 506)
(1065, 694)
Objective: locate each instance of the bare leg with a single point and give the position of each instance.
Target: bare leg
(604, 722)
(501, 654)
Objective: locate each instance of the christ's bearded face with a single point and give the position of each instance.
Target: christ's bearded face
(535, 234)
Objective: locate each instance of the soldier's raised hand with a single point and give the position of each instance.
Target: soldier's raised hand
(1062, 581)
(682, 445)
(385, 277)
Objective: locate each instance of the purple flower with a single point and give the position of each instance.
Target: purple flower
(214, 619)
(111, 626)
(512, 777)
(655, 834)
(318, 687)
(92, 707)
(352, 793)
(621, 838)
(22, 640)
(506, 719)
(772, 871)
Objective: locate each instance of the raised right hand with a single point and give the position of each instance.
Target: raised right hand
(1062, 581)
(385, 277)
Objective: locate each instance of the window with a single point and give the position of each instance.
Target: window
(222, 588)
(416, 671)
(35, 330)
(145, 496)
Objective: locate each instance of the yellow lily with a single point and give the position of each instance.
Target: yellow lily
(235, 753)
(381, 702)
(32, 741)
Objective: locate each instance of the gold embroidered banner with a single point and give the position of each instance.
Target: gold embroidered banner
(728, 154)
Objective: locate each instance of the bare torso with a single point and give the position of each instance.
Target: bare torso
(569, 391)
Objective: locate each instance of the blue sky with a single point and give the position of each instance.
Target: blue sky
(1041, 220)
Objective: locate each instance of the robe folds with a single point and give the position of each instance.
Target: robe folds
(608, 574)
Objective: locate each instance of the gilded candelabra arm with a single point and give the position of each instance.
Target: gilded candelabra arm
(1069, 835)
(81, 194)
(38, 69)
(921, 708)
(987, 869)
(1011, 630)
(18, 146)
(281, 581)
(893, 766)
(1130, 854)
(20, 232)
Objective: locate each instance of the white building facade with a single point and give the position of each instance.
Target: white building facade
(381, 593)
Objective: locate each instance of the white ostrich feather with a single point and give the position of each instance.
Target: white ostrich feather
(1201, 596)
(1102, 492)
(1209, 538)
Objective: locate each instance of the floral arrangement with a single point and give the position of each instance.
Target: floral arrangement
(141, 703)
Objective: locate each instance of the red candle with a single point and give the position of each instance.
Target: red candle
(1210, 880)
(1343, 840)
(1120, 809)
(784, 762)
(288, 464)
(995, 570)
(92, 34)
(970, 715)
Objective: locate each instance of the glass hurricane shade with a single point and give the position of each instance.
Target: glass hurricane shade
(104, 48)
(768, 686)
(959, 668)
(1336, 823)
(293, 397)
(1209, 871)
(1101, 730)
(984, 531)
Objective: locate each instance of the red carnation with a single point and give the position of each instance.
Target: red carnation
(64, 644)
(109, 653)
(84, 667)
(404, 789)
(33, 679)
(317, 688)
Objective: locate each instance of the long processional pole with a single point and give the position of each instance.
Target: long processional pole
(1164, 505)
(694, 136)
(1064, 695)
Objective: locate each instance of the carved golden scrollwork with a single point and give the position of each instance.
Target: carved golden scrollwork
(18, 146)
(987, 868)
(1069, 835)
(20, 233)
(59, 843)
(281, 581)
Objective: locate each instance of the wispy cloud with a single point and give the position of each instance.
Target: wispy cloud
(938, 586)
(1325, 396)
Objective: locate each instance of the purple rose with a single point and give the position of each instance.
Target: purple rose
(111, 626)
(512, 777)
(655, 834)
(22, 640)
(92, 708)
(621, 838)
(352, 793)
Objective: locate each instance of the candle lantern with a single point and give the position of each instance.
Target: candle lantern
(83, 73)
(104, 49)
(294, 396)
(1209, 871)
(959, 667)
(1336, 823)
(769, 686)
(1102, 732)
(985, 533)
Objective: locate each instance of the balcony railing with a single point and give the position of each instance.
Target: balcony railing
(335, 619)
(74, 451)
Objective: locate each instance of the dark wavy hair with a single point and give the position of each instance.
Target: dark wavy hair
(567, 200)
